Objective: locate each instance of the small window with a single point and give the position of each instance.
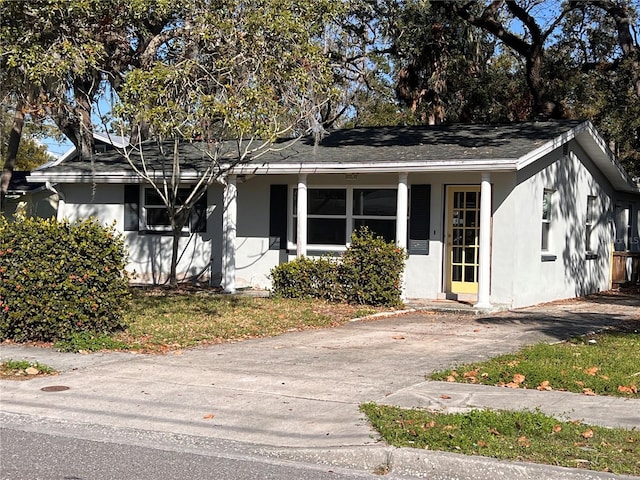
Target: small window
(156, 216)
(590, 223)
(546, 218)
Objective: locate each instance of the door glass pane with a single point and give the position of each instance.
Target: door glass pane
(470, 236)
(458, 216)
(470, 220)
(458, 199)
(471, 200)
(456, 273)
(457, 236)
(457, 255)
(470, 255)
(469, 273)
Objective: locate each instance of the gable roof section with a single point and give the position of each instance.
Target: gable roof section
(490, 148)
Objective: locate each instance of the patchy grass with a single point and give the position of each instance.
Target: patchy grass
(23, 369)
(85, 342)
(601, 364)
(161, 320)
(522, 436)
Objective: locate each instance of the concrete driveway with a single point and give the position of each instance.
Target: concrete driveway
(301, 389)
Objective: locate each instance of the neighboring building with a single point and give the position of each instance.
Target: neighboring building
(511, 214)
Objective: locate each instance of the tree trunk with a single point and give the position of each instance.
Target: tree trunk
(12, 152)
(173, 274)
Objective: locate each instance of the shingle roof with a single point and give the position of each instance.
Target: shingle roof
(389, 145)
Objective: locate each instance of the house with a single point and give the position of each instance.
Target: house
(493, 214)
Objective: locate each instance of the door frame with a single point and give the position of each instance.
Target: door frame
(459, 288)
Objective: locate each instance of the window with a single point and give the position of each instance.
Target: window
(376, 209)
(155, 212)
(145, 211)
(546, 218)
(333, 213)
(590, 223)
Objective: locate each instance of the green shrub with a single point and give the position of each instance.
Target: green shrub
(60, 278)
(370, 272)
(308, 278)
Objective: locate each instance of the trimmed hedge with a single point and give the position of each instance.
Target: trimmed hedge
(60, 278)
(369, 272)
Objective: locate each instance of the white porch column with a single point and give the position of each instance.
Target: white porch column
(230, 214)
(301, 227)
(401, 211)
(402, 207)
(484, 250)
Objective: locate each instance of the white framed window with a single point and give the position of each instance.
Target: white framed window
(590, 222)
(547, 217)
(154, 212)
(333, 213)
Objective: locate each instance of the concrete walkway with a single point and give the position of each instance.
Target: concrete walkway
(297, 396)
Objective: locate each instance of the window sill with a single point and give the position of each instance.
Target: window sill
(163, 233)
(547, 257)
(591, 256)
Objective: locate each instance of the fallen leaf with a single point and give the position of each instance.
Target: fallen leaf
(624, 389)
(604, 377)
(495, 432)
(454, 374)
(480, 443)
(209, 416)
(451, 378)
(31, 371)
(524, 441)
(431, 424)
(557, 428)
(513, 363)
(588, 392)
(592, 371)
(445, 397)
(587, 434)
(476, 330)
(398, 337)
(518, 378)
(544, 386)
(512, 385)
(471, 373)
(579, 383)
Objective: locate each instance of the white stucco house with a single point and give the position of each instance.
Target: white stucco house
(493, 214)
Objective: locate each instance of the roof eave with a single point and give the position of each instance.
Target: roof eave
(462, 165)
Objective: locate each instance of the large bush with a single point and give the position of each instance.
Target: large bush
(370, 272)
(60, 278)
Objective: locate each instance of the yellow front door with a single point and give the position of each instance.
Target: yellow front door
(463, 234)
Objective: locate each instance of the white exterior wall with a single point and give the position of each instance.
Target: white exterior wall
(254, 259)
(572, 177)
(149, 253)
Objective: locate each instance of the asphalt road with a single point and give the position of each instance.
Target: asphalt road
(29, 455)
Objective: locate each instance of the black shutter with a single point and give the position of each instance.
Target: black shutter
(131, 208)
(419, 218)
(278, 217)
(198, 217)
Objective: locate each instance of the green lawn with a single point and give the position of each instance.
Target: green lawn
(601, 364)
(521, 436)
(161, 320)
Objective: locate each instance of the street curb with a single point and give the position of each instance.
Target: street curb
(436, 465)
